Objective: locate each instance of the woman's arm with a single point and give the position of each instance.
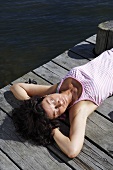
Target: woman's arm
(23, 91)
(72, 145)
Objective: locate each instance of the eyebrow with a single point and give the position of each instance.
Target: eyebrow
(47, 101)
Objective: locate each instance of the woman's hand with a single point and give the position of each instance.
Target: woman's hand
(54, 130)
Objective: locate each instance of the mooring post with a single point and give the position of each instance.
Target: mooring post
(104, 40)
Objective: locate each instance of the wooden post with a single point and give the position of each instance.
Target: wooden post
(104, 40)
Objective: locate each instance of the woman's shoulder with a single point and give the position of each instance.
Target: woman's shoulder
(83, 108)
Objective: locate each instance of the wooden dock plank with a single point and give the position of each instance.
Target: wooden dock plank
(92, 39)
(47, 74)
(100, 131)
(25, 153)
(106, 109)
(6, 163)
(69, 60)
(52, 66)
(31, 75)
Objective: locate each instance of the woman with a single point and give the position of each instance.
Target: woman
(81, 91)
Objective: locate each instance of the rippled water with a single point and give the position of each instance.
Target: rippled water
(35, 31)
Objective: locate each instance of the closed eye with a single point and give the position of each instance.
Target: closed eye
(52, 100)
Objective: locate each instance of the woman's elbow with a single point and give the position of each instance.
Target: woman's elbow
(73, 152)
(13, 87)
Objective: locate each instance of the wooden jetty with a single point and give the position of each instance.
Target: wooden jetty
(97, 151)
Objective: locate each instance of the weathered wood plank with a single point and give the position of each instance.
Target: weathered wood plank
(6, 163)
(46, 74)
(31, 156)
(26, 155)
(69, 60)
(106, 108)
(100, 130)
(31, 75)
(55, 68)
(92, 39)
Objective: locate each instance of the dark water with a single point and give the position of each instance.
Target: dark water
(33, 32)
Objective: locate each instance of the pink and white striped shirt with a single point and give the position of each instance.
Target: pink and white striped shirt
(96, 78)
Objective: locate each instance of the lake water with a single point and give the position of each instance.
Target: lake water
(33, 32)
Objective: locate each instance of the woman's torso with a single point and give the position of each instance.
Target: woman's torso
(95, 78)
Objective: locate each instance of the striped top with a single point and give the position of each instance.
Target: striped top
(96, 78)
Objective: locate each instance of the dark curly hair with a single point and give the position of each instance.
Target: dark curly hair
(32, 123)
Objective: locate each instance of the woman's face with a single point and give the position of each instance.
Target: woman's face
(55, 104)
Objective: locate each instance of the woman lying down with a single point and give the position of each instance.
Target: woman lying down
(80, 92)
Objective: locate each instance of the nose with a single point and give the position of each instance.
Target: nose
(59, 103)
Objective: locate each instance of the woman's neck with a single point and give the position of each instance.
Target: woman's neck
(73, 88)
